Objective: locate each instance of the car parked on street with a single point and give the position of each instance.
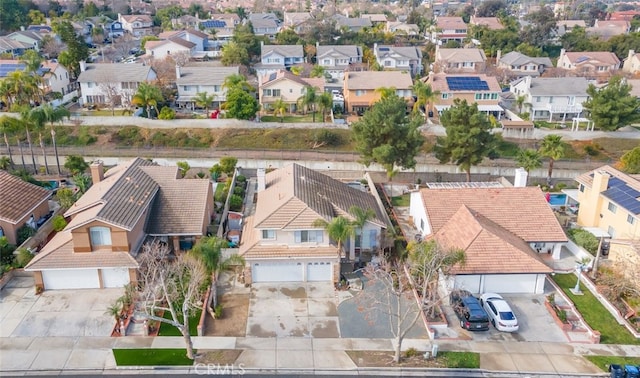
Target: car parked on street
(500, 313)
(469, 311)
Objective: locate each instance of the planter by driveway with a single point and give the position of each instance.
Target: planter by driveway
(293, 310)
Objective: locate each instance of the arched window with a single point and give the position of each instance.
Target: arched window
(100, 236)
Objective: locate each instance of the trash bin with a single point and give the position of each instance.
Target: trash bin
(616, 371)
(632, 371)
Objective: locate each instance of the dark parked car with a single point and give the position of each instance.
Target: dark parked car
(468, 309)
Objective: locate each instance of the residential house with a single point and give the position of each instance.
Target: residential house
(449, 29)
(491, 23)
(607, 29)
(130, 204)
(519, 65)
(407, 58)
(138, 25)
(402, 28)
(281, 241)
(610, 201)
(56, 78)
(376, 18)
(20, 202)
(167, 47)
(222, 25)
(288, 87)
(186, 21)
(297, 21)
(336, 58)
(265, 24)
(481, 89)
(40, 29)
(278, 57)
(202, 77)
(471, 60)
(566, 26)
(13, 48)
(360, 88)
(623, 15)
(29, 38)
(589, 63)
(353, 24)
(199, 38)
(503, 232)
(552, 98)
(100, 81)
(114, 29)
(632, 63)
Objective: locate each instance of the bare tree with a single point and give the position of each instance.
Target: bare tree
(173, 285)
(123, 45)
(112, 94)
(181, 58)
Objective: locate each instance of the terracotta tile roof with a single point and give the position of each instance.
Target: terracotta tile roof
(58, 254)
(296, 191)
(449, 23)
(583, 57)
(19, 198)
(493, 23)
(460, 55)
(489, 248)
(522, 211)
(286, 75)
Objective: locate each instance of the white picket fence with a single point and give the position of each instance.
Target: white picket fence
(66, 98)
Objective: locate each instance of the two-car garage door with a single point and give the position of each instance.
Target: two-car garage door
(291, 271)
(84, 278)
(501, 283)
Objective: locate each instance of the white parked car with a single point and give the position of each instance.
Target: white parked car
(499, 312)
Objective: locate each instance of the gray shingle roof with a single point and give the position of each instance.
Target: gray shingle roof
(558, 86)
(106, 72)
(193, 75)
(515, 58)
(284, 50)
(347, 50)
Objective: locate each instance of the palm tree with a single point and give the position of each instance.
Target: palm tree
(37, 117)
(53, 115)
(425, 96)
(237, 80)
(8, 125)
(279, 108)
(82, 182)
(339, 230)
(325, 101)
(147, 96)
(204, 100)
(361, 217)
(209, 249)
(317, 71)
(5, 163)
(386, 92)
(308, 100)
(520, 101)
(552, 147)
(529, 159)
(26, 123)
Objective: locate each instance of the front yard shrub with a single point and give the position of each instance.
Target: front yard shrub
(241, 179)
(324, 137)
(24, 233)
(218, 311)
(239, 191)
(59, 223)
(584, 239)
(235, 203)
(167, 113)
(23, 257)
(411, 352)
(228, 164)
(6, 251)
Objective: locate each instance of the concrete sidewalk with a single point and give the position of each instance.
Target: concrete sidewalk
(29, 354)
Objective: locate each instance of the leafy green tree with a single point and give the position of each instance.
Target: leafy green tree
(539, 31)
(148, 38)
(14, 14)
(552, 147)
(243, 35)
(147, 96)
(183, 167)
(5, 163)
(491, 8)
(167, 113)
(308, 100)
(388, 136)
(66, 197)
(578, 40)
(77, 49)
(339, 229)
(279, 108)
(204, 100)
(529, 159)
(630, 161)
(83, 182)
(228, 164)
(613, 106)
(234, 54)
(165, 14)
(469, 139)
(76, 164)
(288, 37)
(317, 71)
(237, 81)
(209, 250)
(241, 104)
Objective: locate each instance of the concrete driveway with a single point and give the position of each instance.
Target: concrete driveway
(296, 309)
(55, 312)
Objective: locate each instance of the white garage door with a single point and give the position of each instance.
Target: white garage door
(116, 277)
(277, 272)
(510, 283)
(468, 282)
(71, 279)
(319, 271)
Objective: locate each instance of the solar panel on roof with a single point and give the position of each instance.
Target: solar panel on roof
(467, 83)
(383, 49)
(214, 24)
(582, 59)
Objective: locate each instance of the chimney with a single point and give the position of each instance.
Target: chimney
(97, 171)
(527, 80)
(22, 28)
(590, 216)
(83, 66)
(178, 73)
(262, 183)
(562, 52)
(498, 57)
(631, 53)
(520, 180)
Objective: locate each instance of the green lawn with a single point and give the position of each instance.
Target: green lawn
(292, 118)
(152, 357)
(169, 330)
(603, 362)
(595, 314)
(461, 360)
(401, 201)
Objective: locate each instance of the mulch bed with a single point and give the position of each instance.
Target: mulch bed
(385, 359)
(221, 356)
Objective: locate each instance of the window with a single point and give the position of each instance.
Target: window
(387, 63)
(275, 92)
(612, 207)
(631, 219)
(538, 99)
(269, 234)
(446, 96)
(326, 61)
(91, 84)
(360, 92)
(478, 96)
(187, 88)
(467, 64)
(216, 88)
(494, 96)
(266, 92)
(602, 68)
(582, 188)
(100, 236)
(311, 236)
(129, 85)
